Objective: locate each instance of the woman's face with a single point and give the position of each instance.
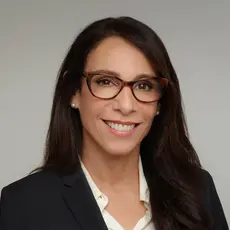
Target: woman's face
(116, 126)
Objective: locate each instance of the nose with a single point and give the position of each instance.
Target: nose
(125, 101)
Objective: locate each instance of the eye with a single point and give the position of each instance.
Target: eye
(144, 85)
(104, 80)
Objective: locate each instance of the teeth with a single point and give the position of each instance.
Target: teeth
(119, 127)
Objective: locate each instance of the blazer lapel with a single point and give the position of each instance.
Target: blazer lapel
(80, 200)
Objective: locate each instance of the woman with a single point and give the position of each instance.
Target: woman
(117, 153)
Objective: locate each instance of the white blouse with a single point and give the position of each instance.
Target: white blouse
(145, 223)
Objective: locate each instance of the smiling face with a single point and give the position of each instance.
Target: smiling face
(116, 126)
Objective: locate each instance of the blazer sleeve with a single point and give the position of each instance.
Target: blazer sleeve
(215, 207)
(10, 212)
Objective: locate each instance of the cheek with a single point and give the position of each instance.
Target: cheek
(149, 112)
(90, 109)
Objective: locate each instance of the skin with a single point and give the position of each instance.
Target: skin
(112, 160)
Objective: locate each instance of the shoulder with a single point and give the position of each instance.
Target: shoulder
(207, 181)
(27, 195)
(31, 186)
(212, 202)
(210, 191)
(34, 180)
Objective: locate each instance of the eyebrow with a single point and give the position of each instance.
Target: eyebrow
(115, 74)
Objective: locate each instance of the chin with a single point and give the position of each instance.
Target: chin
(122, 150)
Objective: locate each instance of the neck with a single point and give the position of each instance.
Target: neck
(109, 170)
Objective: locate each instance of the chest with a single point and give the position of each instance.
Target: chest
(127, 213)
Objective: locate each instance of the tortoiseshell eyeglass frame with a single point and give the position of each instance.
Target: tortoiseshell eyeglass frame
(163, 81)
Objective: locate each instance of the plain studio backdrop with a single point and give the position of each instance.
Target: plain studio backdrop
(35, 36)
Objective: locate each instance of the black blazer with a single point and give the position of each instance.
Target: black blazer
(47, 201)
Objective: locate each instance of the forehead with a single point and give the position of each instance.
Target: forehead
(117, 55)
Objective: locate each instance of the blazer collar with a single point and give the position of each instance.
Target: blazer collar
(81, 202)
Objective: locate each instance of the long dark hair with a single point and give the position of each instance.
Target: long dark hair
(171, 166)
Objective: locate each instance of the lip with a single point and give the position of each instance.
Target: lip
(122, 122)
(119, 133)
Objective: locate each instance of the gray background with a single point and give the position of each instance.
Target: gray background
(35, 35)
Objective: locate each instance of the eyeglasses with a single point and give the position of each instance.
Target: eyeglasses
(105, 86)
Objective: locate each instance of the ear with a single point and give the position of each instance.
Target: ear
(158, 109)
(75, 100)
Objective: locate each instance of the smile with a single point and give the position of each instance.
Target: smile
(121, 128)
